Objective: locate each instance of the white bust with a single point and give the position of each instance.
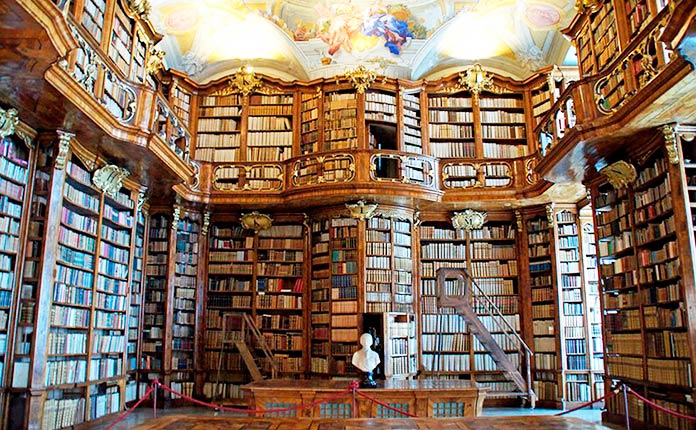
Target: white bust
(366, 359)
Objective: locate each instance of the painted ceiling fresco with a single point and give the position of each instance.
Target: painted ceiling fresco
(305, 39)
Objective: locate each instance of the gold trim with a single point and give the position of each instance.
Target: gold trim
(256, 221)
(9, 119)
(619, 174)
(361, 77)
(64, 139)
(155, 61)
(476, 80)
(206, 223)
(469, 220)
(670, 133)
(361, 209)
(109, 179)
(140, 7)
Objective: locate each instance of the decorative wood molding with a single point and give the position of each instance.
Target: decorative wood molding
(142, 199)
(469, 220)
(176, 217)
(361, 78)
(670, 133)
(619, 174)
(256, 221)
(64, 139)
(109, 179)
(9, 119)
(518, 220)
(416, 219)
(361, 209)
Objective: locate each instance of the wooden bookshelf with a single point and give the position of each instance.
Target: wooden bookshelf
(605, 35)
(320, 296)
(503, 128)
(400, 345)
(412, 135)
(270, 125)
(380, 110)
(309, 122)
(134, 387)
(181, 100)
(451, 126)
(340, 120)
(120, 46)
(230, 275)
(92, 17)
(544, 300)
(643, 278)
(17, 296)
(219, 128)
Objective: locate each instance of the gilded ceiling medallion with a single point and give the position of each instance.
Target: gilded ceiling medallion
(619, 174)
(361, 77)
(256, 221)
(469, 220)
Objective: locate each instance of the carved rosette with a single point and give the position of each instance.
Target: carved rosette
(670, 133)
(109, 179)
(469, 220)
(361, 209)
(256, 221)
(64, 139)
(619, 174)
(9, 119)
(206, 223)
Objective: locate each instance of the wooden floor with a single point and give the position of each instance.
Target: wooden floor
(184, 422)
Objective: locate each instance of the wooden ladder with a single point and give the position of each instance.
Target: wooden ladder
(461, 301)
(238, 332)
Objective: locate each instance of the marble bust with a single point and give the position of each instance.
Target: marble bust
(366, 359)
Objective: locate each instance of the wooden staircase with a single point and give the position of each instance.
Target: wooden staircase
(461, 300)
(239, 332)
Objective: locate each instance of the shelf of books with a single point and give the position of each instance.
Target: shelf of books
(503, 128)
(345, 324)
(14, 191)
(183, 297)
(93, 18)
(412, 137)
(230, 276)
(134, 388)
(218, 138)
(140, 47)
(451, 126)
(279, 294)
(309, 122)
(572, 309)
(637, 15)
(585, 51)
(320, 290)
(121, 39)
(445, 340)
(592, 304)
(340, 120)
(181, 100)
(381, 119)
(403, 266)
(401, 347)
(378, 265)
(645, 320)
(604, 34)
(542, 99)
(269, 134)
(154, 309)
(492, 259)
(544, 309)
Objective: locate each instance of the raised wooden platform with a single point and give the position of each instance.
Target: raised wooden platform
(423, 398)
(182, 422)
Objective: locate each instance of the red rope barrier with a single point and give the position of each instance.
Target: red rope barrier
(132, 408)
(385, 405)
(259, 411)
(584, 405)
(661, 408)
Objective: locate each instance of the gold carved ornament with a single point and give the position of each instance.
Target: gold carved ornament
(140, 7)
(155, 61)
(64, 139)
(9, 119)
(361, 78)
(550, 212)
(670, 133)
(206, 223)
(109, 179)
(469, 220)
(619, 174)
(361, 209)
(256, 221)
(244, 81)
(476, 80)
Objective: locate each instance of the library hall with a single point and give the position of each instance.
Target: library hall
(347, 214)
